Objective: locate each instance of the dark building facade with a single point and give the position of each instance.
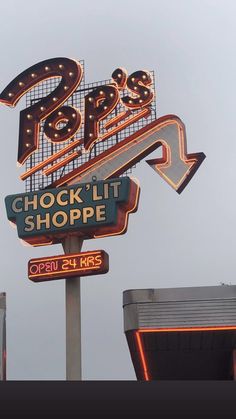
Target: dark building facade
(182, 333)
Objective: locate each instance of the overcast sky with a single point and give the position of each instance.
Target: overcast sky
(173, 240)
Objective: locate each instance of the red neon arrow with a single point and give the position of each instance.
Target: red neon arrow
(176, 166)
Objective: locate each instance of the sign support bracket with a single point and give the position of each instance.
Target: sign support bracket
(73, 244)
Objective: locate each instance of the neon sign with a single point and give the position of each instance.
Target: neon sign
(88, 210)
(61, 122)
(81, 195)
(71, 73)
(90, 200)
(67, 266)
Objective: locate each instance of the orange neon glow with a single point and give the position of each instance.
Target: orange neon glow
(139, 341)
(191, 160)
(93, 268)
(98, 105)
(142, 357)
(65, 266)
(124, 215)
(70, 72)
(138, 83)
(116, 150)
(47, 108)
(62, 163)
(70, 116)
(188, 329)
(120, 76)
(35, 244)
(46, 243)
(143, 113)
(116, 119)
(47, 259)
(51, 159)
(166, 160)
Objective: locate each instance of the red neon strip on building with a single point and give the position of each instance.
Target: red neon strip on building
(143, 360)
(142, 356)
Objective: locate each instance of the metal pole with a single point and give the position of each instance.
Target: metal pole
(73, 316)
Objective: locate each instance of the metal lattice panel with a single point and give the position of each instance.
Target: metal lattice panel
(46, 148)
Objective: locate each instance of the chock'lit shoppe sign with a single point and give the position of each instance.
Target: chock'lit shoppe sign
(89, 210)
(89, 199)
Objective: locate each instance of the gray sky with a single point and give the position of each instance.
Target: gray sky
(173, 240)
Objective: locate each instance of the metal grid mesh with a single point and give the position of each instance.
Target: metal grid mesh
(38, 180)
